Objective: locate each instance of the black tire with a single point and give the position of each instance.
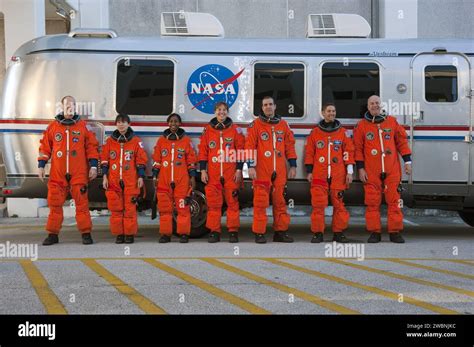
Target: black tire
(198, 205)
(467, 217)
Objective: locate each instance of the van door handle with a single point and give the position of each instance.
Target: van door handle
(419, 117)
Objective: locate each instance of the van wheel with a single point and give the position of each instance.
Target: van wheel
(467, 217)
(198, 206)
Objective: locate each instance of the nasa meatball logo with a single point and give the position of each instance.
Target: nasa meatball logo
(210, 84)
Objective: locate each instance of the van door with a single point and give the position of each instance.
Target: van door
(442, 126)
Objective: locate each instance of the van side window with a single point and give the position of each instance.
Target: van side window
(285, 83)
(441, 83)
(348, 86)
(145, 87)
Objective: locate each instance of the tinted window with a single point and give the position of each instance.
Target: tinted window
(441, 83)
(283, 82)
(145, 87)
(348, 86)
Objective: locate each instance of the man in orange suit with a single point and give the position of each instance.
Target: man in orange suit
(329, 160)
(274, 143)
(379, 140)
(72, 149)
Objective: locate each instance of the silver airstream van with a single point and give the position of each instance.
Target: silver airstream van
(426, 84)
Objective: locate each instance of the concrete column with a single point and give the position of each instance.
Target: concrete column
(24, 20)
(90, 13)
(398, 19)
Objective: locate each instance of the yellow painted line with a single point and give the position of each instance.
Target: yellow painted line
(403, 277)
(464, 262)
(431, 268)
(47, 297)
(382, 292)
(133, 295)
(305, 296)
(235, 300)
(433, 259)
(467, 261)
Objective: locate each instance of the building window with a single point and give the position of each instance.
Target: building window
(441, 83)
(348, 86)
(284, 83)
(145, 87)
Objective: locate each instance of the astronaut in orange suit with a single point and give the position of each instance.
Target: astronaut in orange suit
(123, 161)
(379, 140)
(219, 147)
(174, 166)
(329, 160)
(73, 151)
(274, 143)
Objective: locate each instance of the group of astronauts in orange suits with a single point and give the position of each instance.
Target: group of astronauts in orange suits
(269, 146)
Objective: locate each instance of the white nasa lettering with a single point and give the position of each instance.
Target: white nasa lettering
(198, 88)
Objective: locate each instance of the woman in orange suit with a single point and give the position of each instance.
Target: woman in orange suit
(174, 167)
(123, 162)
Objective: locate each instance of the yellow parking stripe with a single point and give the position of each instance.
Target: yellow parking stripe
(305, 296)
(134, 296)
(403, 277)
(382, 292)
(47, 297)
(430, 268)
(235, 300)
(465, 262)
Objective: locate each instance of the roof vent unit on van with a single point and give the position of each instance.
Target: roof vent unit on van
(337, 25)
(93, 33)
(190, 24)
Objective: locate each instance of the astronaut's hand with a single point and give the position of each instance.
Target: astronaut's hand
(309, 177)
(408, 169)
(252, 173)
(363, 175)
(140, 182)
(105, 182)
(92, 173)
(238, 176)
(41, 173)
(192, 181)
(348, 179)
(292, 172)
(204, 176)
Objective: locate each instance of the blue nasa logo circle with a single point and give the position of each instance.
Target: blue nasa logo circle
(210, 84)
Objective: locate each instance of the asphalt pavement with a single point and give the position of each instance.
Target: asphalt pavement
(432, 273)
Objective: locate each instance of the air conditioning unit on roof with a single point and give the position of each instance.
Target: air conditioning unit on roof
(337, 25)
(190, 24)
